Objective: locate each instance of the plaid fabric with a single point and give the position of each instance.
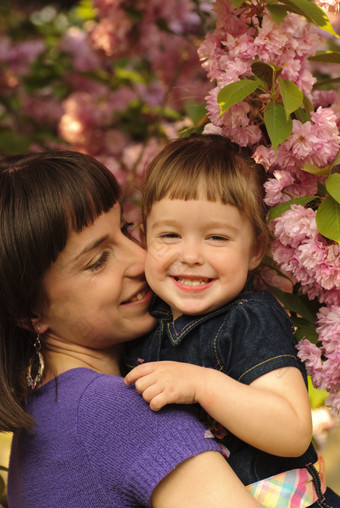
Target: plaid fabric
(292, 489)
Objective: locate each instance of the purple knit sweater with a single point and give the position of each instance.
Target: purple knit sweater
(97, 444)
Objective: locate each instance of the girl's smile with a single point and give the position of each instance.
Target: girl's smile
(199, 253)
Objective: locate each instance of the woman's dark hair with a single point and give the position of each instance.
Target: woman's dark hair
(43, 197)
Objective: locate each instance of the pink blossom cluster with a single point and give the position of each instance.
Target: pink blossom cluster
(316, 141)
(237, 42)
(118, 18)
(243, 36)
(302, 252)
(163, 35)
(329, 5)
(18, 56)
(162, 32)
(90, 124)
(323, 361)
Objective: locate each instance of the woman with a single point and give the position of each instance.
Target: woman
(72, 291)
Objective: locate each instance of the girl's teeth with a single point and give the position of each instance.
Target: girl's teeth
(192, 282)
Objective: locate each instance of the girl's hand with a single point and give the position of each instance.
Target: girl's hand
(162, 383)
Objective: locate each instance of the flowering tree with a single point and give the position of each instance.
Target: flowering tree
(264, 97)
(118, 78)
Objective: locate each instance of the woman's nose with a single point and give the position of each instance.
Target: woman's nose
(134, 258)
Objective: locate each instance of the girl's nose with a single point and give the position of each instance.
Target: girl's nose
(191, 253)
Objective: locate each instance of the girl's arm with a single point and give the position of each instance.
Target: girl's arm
(201, 481)
(272, 413)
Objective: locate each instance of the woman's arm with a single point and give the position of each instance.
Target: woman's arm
(272, 413)
(205, 480)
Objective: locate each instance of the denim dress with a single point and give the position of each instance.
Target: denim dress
(247, 338)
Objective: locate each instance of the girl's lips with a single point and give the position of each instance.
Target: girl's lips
(142, 297)
(192, 284)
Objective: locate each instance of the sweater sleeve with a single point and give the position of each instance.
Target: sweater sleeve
(129, 447)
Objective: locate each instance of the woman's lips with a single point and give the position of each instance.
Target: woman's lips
(141, 297)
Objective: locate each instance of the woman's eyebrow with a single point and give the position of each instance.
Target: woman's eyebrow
(91, 246)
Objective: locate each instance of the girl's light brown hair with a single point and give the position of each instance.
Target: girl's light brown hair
(209, 163)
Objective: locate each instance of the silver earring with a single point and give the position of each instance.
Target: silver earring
(32, 382)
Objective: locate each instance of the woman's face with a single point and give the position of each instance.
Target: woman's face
(96, 289)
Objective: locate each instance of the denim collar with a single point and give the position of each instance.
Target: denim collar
(177, 329)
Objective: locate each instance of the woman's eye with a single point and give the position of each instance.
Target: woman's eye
(100, 262)
(126, 228)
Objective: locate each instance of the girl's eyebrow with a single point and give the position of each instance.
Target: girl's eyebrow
(164, 222)
(212, 224)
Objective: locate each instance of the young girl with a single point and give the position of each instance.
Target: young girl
(224, 344)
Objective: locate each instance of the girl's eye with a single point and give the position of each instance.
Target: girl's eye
(218, 238)
(168, 235)
(100, 262)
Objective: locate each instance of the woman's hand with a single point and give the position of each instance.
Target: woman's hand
(162, 383)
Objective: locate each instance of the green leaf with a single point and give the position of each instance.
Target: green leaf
(307, 104)
(279, 128)
(128, 74)
(328, 219)
(336, 161)
(12, 142)
(268, 261)
(314, 170)
(277, 12)
(195, 111)
(326, 56)
(278, 210)
(293, 303)
(85, 11)
(301, 115)
(305, 330)
(312, 12)
(322, 191)
(237, 3)
(291, 95)
(325, 83)
(333, 186)
(235, 92)
(316, 397)
(266, 72)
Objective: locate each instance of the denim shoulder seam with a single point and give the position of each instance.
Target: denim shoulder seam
(266, 361)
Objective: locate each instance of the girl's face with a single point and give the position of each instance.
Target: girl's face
(96, 288)
(199, 254)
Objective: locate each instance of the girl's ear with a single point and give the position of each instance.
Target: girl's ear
(259, 251)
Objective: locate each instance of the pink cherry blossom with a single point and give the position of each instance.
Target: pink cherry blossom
(76, 44)
(274, 187)
(310, 354)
